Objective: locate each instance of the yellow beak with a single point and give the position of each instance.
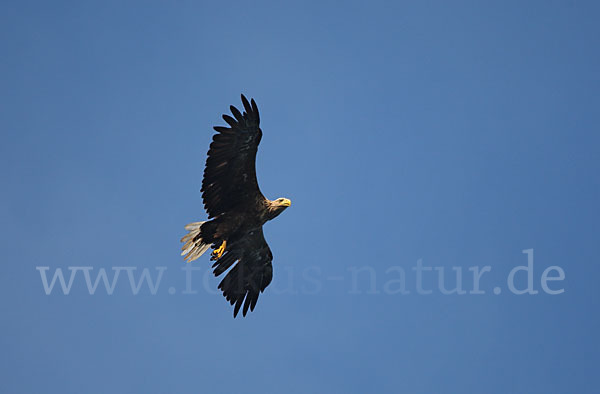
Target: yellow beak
(286, 202)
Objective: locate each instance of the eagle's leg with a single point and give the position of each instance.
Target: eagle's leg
(217, 253)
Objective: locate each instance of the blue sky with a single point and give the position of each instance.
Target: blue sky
(459, 134)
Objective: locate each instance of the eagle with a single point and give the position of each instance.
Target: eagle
(237, 211)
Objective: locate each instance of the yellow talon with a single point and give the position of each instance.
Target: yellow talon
(217, 253)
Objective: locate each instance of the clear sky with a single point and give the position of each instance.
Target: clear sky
(457, 134)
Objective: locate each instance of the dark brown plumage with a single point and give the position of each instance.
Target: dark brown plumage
(238, 211)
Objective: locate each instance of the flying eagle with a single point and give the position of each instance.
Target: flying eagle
(236, 211)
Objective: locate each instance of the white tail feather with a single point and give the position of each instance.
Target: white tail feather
(193, 246)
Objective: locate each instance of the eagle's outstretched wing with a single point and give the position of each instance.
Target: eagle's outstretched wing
(230, 172)
(252, 273)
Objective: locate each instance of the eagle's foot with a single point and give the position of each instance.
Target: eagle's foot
(217, 253)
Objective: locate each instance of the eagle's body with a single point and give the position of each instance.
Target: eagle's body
(238, 211)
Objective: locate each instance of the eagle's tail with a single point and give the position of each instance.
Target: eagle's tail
(193, 244)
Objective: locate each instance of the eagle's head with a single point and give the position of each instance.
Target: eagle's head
(278, 206)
